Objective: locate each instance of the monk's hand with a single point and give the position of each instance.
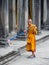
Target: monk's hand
(25, 32)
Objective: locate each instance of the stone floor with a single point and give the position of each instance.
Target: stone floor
(42, 56)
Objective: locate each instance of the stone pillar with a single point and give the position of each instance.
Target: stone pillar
(10, 15)
(2, 18)
(24, 18)
(19, 14)
(6, 17)
(22, 12)
(23, 15)
(2, 13)
(37, 5)
(33, 12)
(26, 14)
(14, 14)
(24, 21)
(46, 14)
(45, 11)
(39, 27)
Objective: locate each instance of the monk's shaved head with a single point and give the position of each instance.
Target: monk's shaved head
(29, 21)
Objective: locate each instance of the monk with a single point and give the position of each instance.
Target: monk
(31, 40)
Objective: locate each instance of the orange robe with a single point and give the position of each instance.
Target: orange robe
(31, 40)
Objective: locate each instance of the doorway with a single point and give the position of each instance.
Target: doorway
(16, 11)
(42, 24)
(29, 9)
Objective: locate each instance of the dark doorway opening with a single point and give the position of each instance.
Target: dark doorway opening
(42, 24)
(16, 11)
(30, 9)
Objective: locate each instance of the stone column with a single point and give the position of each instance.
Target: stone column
(45, 11)
(39, 27)
(22, 12)
(37, 5)
(6, 17)
(24, 21)
(14, 14)
(10, 15)
(23, 15)
(46, 14)
(33, 12)
(26, 14)
(19, 14)
(24, 18)
(2, 18)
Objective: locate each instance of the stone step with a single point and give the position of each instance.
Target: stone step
(21, 37)
(8, 57)
(3, 42)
